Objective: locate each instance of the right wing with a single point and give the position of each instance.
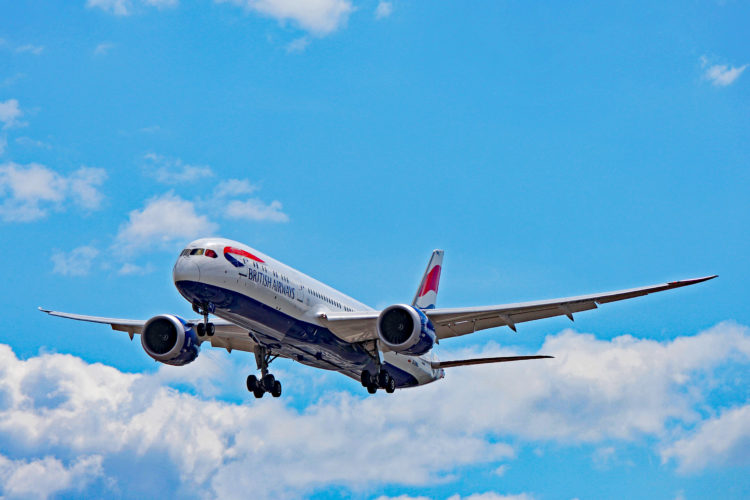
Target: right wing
(228, 335)
(452, 322)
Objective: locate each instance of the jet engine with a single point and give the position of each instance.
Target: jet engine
(170, 340)
(406, 330)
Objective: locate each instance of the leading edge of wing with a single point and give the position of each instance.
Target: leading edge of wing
(482, 361)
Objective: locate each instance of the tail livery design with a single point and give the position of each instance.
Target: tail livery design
(427, 292)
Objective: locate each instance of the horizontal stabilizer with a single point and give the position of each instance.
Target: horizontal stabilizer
(482, 361)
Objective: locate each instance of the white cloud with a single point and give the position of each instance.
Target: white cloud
(32, 143)
(103, 48)
(298, 44)
(174, 171)
(130, 269)
(234, 187)
(116, 7)
(721, 75)
(383, 10)
(3, 143)
(162, 222)
(320, 17)
(10, 113)
(125, 7)
(28, 192)
(76, 262)
(493, 496)
(46, 476)
(254, 209)
(30, 49)
(722, 440)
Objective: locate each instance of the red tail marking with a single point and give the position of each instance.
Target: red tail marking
(431, 281)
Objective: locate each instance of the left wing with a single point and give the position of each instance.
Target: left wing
(228, 335)
(453, 322)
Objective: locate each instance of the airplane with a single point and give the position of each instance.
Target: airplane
(269, 309)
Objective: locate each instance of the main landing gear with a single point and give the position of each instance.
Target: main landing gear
(267, 382)
(204, 328)
(380, 380)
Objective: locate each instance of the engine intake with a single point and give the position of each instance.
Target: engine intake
(170, 340)
(405, 329)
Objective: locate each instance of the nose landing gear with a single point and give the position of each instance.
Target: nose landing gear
(267, 382)
(205, 328)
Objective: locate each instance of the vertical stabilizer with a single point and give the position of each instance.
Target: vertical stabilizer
(427, 292)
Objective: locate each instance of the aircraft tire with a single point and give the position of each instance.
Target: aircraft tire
(210, 329)
(200, 329)
(252, 383)
(383, 378)
(276, 391)
(365, 378)
(390, 386)
(372, 389)
(258, 393)
(268, 382)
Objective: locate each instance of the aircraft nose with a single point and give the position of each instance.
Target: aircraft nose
(185, 270)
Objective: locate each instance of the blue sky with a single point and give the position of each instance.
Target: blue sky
(551, 150)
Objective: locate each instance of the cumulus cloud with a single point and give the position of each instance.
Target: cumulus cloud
(623, 388)
(721, 75)
(383, 10)
(76, 262)
(163, 221)
(125, 7)
(256, 210)
(173, 170)
(130, 269)
(30, 49)
(298, 44)
(234, 187)
(320, 17)
(10, 112)
(46, 476)
(722, 440)
(103, 48)
(28, 192)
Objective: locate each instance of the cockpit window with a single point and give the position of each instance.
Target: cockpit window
(185, 252)
(211, 253)
(196, 251)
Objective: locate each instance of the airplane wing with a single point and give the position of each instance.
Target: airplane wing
(482, 361)
(228, 335)
(453, 322)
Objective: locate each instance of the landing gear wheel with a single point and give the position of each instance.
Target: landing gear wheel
(252, 383)
(390, 387)
(383, 378)
(372, 389)
(200, 329)
(210, 329)
(258, 393)
(365, 378)
(268, 382)
(276, 391)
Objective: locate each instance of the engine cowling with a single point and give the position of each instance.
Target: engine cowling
(170, 340)
(406, 330)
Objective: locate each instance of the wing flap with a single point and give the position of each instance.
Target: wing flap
(352, 326)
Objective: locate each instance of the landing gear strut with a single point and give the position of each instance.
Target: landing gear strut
(204, 328)
(267, 382)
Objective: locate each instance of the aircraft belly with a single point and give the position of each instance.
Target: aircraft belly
(290, 337)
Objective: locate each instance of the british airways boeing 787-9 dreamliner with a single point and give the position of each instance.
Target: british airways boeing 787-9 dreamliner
(267, 308)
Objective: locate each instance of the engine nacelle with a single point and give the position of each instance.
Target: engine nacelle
(170, 340)
(406, 330)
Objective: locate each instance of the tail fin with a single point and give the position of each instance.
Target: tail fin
(428, 289)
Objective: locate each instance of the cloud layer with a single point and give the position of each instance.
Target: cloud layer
(56, 408)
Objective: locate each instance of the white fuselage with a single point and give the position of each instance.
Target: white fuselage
(281, 308)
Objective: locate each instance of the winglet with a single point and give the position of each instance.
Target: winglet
(426, 295)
